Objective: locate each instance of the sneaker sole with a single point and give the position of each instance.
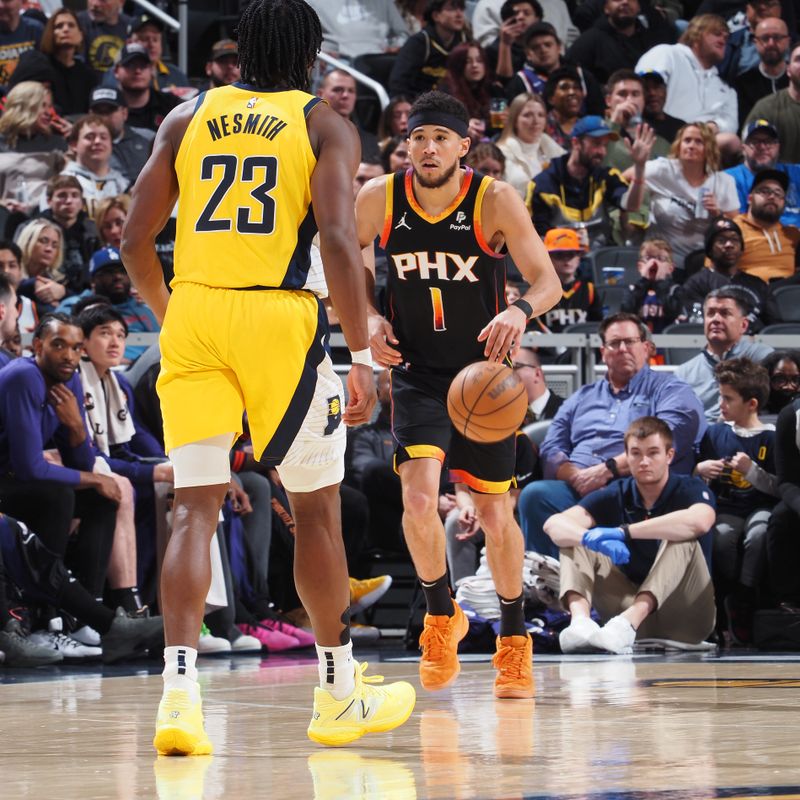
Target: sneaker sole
(172, 741)
(507, 693)
(348, 735)
(437, 686)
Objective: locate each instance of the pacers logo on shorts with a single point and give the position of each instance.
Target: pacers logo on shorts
(334, 414)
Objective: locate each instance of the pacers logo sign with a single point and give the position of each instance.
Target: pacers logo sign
(334, 414)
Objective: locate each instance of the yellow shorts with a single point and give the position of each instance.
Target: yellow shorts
(224, 351)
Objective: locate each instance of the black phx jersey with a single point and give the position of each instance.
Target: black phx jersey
(445, 283)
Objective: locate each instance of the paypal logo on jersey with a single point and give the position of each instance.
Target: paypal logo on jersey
(458, 225)
(435, 266)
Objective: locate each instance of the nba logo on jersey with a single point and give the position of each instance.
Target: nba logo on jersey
(251, 103)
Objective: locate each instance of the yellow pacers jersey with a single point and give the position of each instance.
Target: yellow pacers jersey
(244, 210)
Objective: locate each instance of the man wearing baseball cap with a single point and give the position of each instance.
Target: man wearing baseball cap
(149, 31)
(724, 246)
(129, 149)
(580, 301)
(222, 67)
(770, 248)
(655, 98)
(147, 107)
(577, 187)
(761, 146)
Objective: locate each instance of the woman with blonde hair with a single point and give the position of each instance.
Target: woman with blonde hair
(27, 122)
(687, 189)
(109, 217)
(42, 246)
(527, 148)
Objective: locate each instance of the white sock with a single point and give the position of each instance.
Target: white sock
(180, 671)
(336, 670)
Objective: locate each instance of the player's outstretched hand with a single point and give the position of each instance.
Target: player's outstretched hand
(362, 395)
(381, 339)
(503, 333)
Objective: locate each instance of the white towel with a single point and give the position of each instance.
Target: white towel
(106, 408)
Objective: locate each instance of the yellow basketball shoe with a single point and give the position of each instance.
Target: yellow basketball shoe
(514, 664)
(179, 726)
(439, 665)
(370, 709)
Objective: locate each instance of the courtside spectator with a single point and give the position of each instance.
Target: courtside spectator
(695, 91)
(8, 316)
(506, 52)
(18, 34)
(11, 267)
(783, 368)
(576, 188)
(338, 88)
(420, 63)
(741, 51)
(725, 324)
(129, 149)
(624, 33)
(91, 139)
(526, 147)
(632, 551)
(41, 243)
(768, 76)
(584, 448)
(724, 245)
(147, 106)
(222, 67)
(486, 20)
(105, 29)
(770, 247)
(149, 31)
(655, 98)
(782, 109)
(760, 146)
(655, 297)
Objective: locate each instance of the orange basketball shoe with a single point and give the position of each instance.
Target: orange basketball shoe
(439, 665)
(514, 664)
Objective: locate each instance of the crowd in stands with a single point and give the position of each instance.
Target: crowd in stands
(663, 128)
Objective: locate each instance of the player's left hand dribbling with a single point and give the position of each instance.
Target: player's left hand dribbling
(503, 333)
(362, 395)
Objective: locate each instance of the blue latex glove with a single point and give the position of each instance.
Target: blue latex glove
(609, 542)
(594, 535)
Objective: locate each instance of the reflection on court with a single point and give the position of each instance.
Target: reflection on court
(617, 727)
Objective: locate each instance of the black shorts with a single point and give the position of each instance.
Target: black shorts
(422, 429)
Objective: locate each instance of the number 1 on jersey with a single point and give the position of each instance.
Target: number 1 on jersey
(438, 310)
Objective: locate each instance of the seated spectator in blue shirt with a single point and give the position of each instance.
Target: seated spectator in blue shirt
(634, 551)
(41, 406)
(109, 279)
(18, 34)
(8, 317)
(737, 460)
(584, 449)
(724, 324)
(761, 146)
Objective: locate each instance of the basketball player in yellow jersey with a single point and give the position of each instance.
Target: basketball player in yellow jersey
(244, 330)
(442, 229)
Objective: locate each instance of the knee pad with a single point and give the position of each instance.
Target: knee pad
(203, 463)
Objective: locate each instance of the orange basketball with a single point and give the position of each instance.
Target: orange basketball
(487, 401)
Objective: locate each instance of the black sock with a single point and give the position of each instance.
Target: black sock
(75, 600)
(128, 598)
(437, 597)
(512, 617)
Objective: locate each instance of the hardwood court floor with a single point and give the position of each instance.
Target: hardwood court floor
(647, 727)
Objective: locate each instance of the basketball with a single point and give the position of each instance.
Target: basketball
(487, 402)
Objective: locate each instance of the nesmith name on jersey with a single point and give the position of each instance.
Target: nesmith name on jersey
(435, 267)
(267, 125)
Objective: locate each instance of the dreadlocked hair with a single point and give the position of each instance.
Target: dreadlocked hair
(278, 42)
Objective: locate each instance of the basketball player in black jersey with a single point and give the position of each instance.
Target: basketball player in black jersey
(443, 229)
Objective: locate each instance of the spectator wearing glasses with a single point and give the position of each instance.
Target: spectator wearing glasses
(761, 145)
(768, 76)
(724, 323)
(741, 52)
(584, 448)
(770, 247)
(783, 368)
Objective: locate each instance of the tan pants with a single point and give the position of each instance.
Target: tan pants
(679, 580)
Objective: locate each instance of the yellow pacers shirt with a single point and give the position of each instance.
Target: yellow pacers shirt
(244, 212)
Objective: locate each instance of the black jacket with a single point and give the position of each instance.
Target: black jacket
(420, 64)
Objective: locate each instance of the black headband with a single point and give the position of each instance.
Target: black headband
(441, 118)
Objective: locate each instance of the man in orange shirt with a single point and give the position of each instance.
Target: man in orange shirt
(770, 248)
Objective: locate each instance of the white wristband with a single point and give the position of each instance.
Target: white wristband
(362, 357)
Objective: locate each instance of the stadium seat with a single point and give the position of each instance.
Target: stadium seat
(781, 327)
(605, 260)
(536, 431)
(679, 355)
(788, 300)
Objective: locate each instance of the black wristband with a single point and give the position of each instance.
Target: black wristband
(611, 466)
(626, 530)
(524, 306)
